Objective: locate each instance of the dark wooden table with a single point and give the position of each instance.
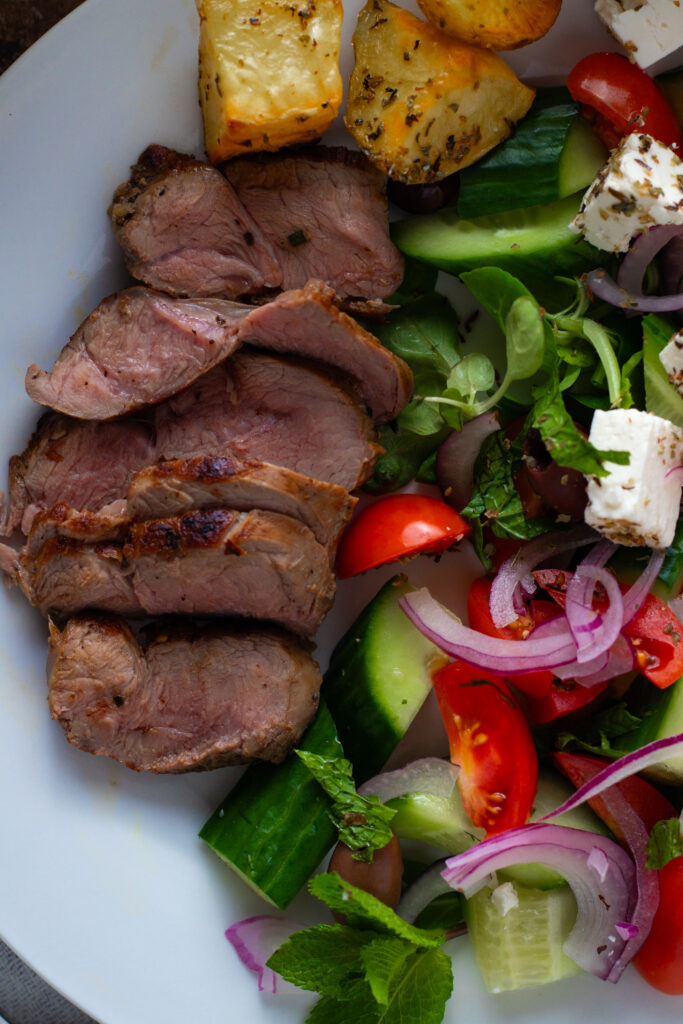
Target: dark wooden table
(22, 22)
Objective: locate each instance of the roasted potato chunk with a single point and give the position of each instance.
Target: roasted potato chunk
(496, 24)
(268, 73)
(422, 104)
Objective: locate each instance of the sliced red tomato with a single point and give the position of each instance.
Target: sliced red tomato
(535, 684)
(398, 527)
(563, 698)
(655, 632)
(624, 95)
(490, 739)
(660, 959)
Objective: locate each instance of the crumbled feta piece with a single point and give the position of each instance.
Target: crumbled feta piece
(672, 360)
(647, 29)
(640, 185)
(636, 504)
(505, 898)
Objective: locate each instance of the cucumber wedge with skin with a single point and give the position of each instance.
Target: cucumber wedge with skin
(523, 947)
(661, 397)
(533, 243)
(378, 679)
(274, 828)
(552, 154)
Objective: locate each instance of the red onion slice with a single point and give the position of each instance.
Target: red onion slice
(635, 835)
(502, 657)
(255, 940)
(456, 457)
(635, 595)
(606, 288)
(644, 249)
(620, 659)
(423, 891)
(430, 775)
(518, 568)
(603, 883)
(593, 632)
(630, 764)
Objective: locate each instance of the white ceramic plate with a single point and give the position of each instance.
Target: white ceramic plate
(104, 888)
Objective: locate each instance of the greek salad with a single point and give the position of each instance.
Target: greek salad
(547, 431)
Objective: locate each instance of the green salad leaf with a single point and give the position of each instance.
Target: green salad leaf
(362, 821)
(665, 843)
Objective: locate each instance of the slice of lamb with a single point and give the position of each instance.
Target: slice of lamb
(282, 411)
(325, 212)
(307, 322)
(136, 348)
(254, 405)
(180, 485)
(85, 464)
(254, 564)
(184, 230)
(194, 699)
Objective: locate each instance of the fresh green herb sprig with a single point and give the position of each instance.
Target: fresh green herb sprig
(362, 821)
(377, 969)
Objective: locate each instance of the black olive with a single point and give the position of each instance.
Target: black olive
(562, 489)
(424, 198)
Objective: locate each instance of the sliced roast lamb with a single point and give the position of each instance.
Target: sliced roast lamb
(257, 564)
(136, 348)
(318, 213)
(139, 347)
(283, 411)
(254, 405)
(193, 699)
(325, 212)
(308, 323)
(182, 485)
(183, 230)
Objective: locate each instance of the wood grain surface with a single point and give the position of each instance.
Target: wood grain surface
(22, 22)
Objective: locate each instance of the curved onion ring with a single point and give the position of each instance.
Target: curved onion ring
(430, 775)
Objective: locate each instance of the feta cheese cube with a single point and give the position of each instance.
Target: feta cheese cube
(640, 185)
(647, 29)
(637, 504)
(671, 358)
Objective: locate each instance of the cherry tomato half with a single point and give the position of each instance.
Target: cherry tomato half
(660, 959)
(535, 684)
(626, 96)
(563, 698)
(655, 632)
(489, 738)
(398, 527)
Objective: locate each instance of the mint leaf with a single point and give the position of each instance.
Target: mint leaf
(359, 1009)
(362, 821)
(384, 961)
(324, 958)
(495, 500)
(423, 990)
(665, 843)
(363, 910)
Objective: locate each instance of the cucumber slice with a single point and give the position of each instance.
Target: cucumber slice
(662, 716)
(552, 154)
(378, 679)
(523, 947)
(274, 828)
(532, 244)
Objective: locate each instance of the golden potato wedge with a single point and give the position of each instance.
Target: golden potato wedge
(268, 73)
(423, 104)
(496, 24)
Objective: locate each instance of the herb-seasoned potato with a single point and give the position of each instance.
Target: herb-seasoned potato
(498, 24)
(422, 104)
(268, 72)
